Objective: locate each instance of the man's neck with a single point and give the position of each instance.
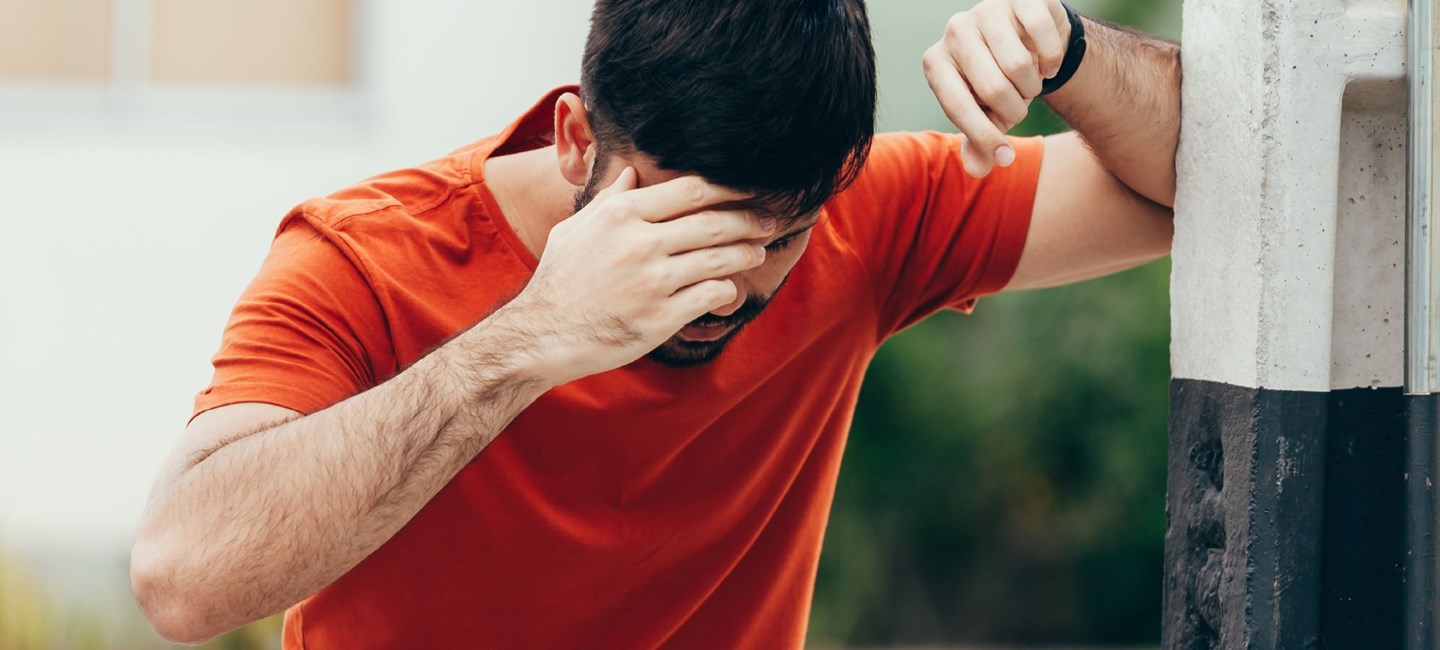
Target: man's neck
(531, 193)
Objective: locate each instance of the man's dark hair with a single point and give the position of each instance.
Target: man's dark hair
(774, 97)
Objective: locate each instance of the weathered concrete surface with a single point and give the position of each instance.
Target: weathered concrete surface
(1368, 323)
(1285, 277)
(1243, 545)
(1297, 541)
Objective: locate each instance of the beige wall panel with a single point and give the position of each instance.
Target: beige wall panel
(260, 41)
(55, 39)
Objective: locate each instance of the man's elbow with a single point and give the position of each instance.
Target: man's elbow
(176, 616)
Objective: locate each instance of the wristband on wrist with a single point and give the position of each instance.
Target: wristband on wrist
(1074, 52)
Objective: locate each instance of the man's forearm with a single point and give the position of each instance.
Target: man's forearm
(248, 528)
(257, 521)
(1124, 101)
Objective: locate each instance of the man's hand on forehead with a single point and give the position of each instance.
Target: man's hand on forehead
(633, 267)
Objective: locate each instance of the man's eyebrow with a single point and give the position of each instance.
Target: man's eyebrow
(796, 233)
(757, 206)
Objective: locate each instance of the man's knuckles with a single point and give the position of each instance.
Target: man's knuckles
(960, 27)
(1017, 65)
(694, 190)
(992, 92)
(935, 59)
(621, 207)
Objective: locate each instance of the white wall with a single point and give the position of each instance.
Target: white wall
(123, 242)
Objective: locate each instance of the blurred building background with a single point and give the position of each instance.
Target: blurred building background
(1004, 482)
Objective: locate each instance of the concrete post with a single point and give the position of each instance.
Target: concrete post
(1286, 489)
(1422, 327)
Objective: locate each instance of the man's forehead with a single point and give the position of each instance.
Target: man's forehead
(769, 212)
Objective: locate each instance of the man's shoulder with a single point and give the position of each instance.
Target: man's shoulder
(914, 181)
(432, 191)
(411, 224)
(897, 147)
(897, 158)
(902, 166)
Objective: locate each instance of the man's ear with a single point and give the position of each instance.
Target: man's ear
(574, 141)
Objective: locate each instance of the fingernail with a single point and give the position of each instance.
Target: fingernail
(759, 250)
(1004, 155)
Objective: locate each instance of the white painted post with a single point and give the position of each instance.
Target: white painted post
(1286, 494)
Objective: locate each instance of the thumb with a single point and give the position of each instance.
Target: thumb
(622, 183)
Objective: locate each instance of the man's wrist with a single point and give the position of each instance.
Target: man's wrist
(504, 351)
(1074, 53)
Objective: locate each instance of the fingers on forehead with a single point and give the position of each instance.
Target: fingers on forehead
(721, 221)
(686, 194)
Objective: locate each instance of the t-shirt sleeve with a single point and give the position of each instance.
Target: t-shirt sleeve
(930, 235)
(307, 332)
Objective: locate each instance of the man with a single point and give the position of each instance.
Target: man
(586, 383)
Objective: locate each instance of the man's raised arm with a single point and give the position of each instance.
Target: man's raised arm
(1125, 102)
(1123, 99)
(1103, 200)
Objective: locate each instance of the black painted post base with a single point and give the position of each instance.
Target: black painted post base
(1286, 518)
(1420, 516)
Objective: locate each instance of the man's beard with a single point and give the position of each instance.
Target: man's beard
(676, 352)
(592, 184)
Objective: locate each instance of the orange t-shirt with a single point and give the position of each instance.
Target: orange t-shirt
(641, 507)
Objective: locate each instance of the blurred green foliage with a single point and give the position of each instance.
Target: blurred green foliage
(34, 617)
(1005, 477)
(23, 622)
(1004, 481)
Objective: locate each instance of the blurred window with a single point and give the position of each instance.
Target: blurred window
(55, 39)
(306, 42)
(251, 41)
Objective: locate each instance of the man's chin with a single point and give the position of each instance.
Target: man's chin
(677, 352)
(699, 344)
